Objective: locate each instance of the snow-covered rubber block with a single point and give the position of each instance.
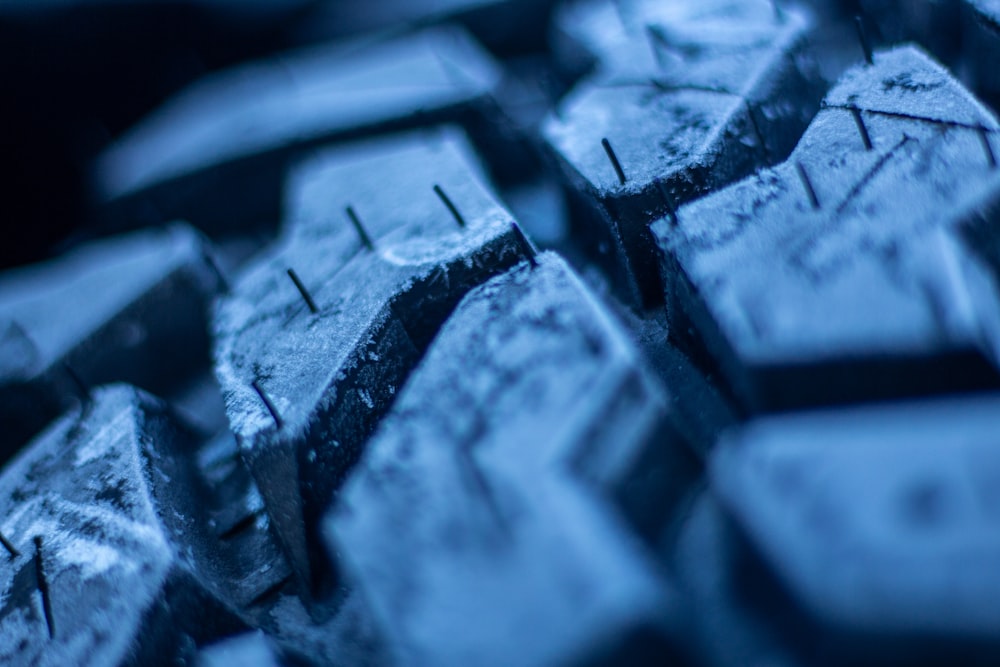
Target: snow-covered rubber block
(107, 556)
(882, 522)
(129, 309)
(863, 267)
(386, 237)
(501, 496)
(216, 154)
(703, 94)
(981, 41)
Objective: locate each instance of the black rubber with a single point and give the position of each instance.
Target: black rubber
(686, 99)
(309, 364)
(802, 299)
(129, 309)
(472, 346)
(507, 494)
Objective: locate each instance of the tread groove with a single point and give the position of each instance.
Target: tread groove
(241, 525)
(270, 592)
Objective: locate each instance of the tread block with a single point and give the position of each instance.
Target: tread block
(479, 514)
(129, 309)
(881, 521)
(851, 272)
(108, 552)
(308, 364)
(216, 154)
(703, 94)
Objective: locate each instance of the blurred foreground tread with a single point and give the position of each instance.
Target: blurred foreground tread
(505, 26)
(252, 649)
(864, 266)
(109, 557)
(216, 153)
(506, 491)
(692, 96)
(126, 309)
(883, 522)
(308, 361)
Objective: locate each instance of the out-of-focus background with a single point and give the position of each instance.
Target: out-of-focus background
(77, 73)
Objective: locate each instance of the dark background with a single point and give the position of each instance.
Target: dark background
(77, 73)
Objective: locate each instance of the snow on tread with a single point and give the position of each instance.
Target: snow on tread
(129, 308)
(216, 154)
(934, 24)
(881, 521)
(408, 229)
(107, 559)
(708, 92)
(861, 267)
(478, 514)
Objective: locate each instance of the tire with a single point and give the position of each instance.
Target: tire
(505, 333)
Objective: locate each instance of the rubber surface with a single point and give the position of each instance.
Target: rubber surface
(784, 274)
(503, 333)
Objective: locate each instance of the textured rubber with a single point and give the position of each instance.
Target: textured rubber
(372, 423)
(876, 520)
(238, 131)
(509, 495)
(686, 99)
(131, 309)
(315, 339)
(105, 530)
(907, 306)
